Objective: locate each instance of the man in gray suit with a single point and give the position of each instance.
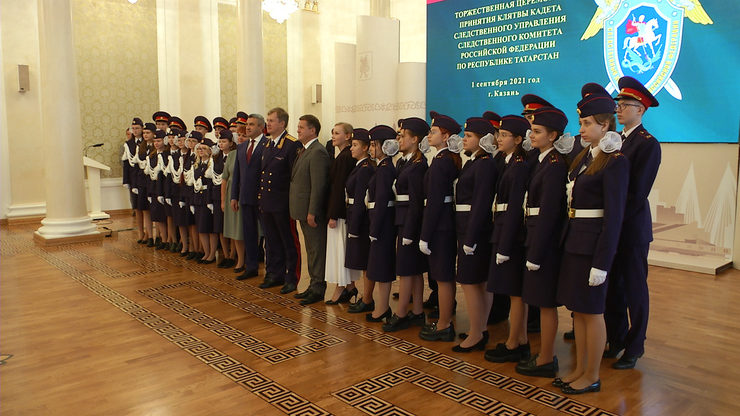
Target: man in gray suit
(309, 191)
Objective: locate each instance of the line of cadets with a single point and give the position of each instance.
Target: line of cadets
(564, 222)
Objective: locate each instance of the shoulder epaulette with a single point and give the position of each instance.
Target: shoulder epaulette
(617, 154)
(518, 159)
(291, 138)
(553, 158)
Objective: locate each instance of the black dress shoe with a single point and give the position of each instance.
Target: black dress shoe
(239, 269)
(432, 302)
(141, 241)
(431, 333)
(625, 362)
(530, 368)
(268, 283)
(343, 297)
(312, 297)
(613, 351)
(191, 255)
(480, 345)
(302, 295)
(570, 335)
(173, 248)
(207, 261)
(397, 323)
(287, 288)
(464, 335)
(370, 318)
(221, 264)
(558, 382)
(502, 354)
(179, 246)
(361, 307)
(567, 389)
(150, 242)
(184, 253)
(247, 274)
(347, 295)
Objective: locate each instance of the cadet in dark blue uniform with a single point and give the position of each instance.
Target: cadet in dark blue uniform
(179, 210)
(142, 181)
(283, 264)
(473, 197)
(545, 216)
(171, 148)
(358, 220)
(188, 193)
(202, 183)
(507, 254)
(177, 123)
(381, 263)
(130, 167)
(628, 289)
(600, 176)
(161, 120)
(411, 263)
(154, 169)
(437, 239)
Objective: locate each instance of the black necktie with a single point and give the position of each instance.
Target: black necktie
(401, 163)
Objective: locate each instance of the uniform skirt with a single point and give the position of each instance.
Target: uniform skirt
(381, 264)
(203, 219)
(473, 269)
(573, 289)
(410, 261)
(506, 278)
(142, 203)
(336, 248)
(168, 209)
(358, 249)
(443, 246)
(218, 218)
(156, 210)
(539, 288)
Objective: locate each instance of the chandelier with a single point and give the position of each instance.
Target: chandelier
(280, 10)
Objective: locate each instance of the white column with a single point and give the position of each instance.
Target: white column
(344, 86)
(380, 8)
(66, 213)
(168, 56)
(412, 90)
(250, 76)
(5, 148)
(210, 62)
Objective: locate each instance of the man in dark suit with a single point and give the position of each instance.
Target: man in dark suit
(309, 188)
(283, 250)
(245, 187)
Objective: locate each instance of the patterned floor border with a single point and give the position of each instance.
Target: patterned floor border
(108, 271)
(319, 340)
(261, 386)
(362, 396)
(536, 394)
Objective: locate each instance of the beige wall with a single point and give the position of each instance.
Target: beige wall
(116, 71)
(20, 45)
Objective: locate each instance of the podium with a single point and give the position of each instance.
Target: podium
(93, 168)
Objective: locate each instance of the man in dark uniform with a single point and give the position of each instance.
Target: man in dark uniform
(161, 120)
(628, 289)
(283, 264)
(245, 188)
(127, 159)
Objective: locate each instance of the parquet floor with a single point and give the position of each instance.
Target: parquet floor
(119, 329)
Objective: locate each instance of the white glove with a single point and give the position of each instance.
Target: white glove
(500, 258)
(596, 277)
(135, 190)
(210, 207)
(160, 199)
(125, 185)
(406, 242)
(149, 199)
(181, 204)
(532, 267)
(351, 235)
(373, 239)
(424, 247)
(168, 201)
(469, 251)
(192, 210)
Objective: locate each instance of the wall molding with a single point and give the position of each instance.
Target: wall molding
(27, 210)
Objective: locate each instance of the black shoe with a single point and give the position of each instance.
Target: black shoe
(247, 274)
(558, 382)
(431, 333)
(502, 354)
(387, 314)
(361, 307)
(222, 263)
(191, 255)
(270, 282)
(570, 335)
(432, 302)
(150, 242)
(173, 248)
(626, 362)
(418, 320)
(141, 241)
(287, 288)
(207, 261)
(239, 269)
(302, 295)
(344, 297)
(179, 247)
(312, 297)
(397, 323)
(464, 335)
(184, 253)
(530, 368)
(567, 389)
(480, 345)
(613, 350)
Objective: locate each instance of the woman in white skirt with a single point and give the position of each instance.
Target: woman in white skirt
(341, 167)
